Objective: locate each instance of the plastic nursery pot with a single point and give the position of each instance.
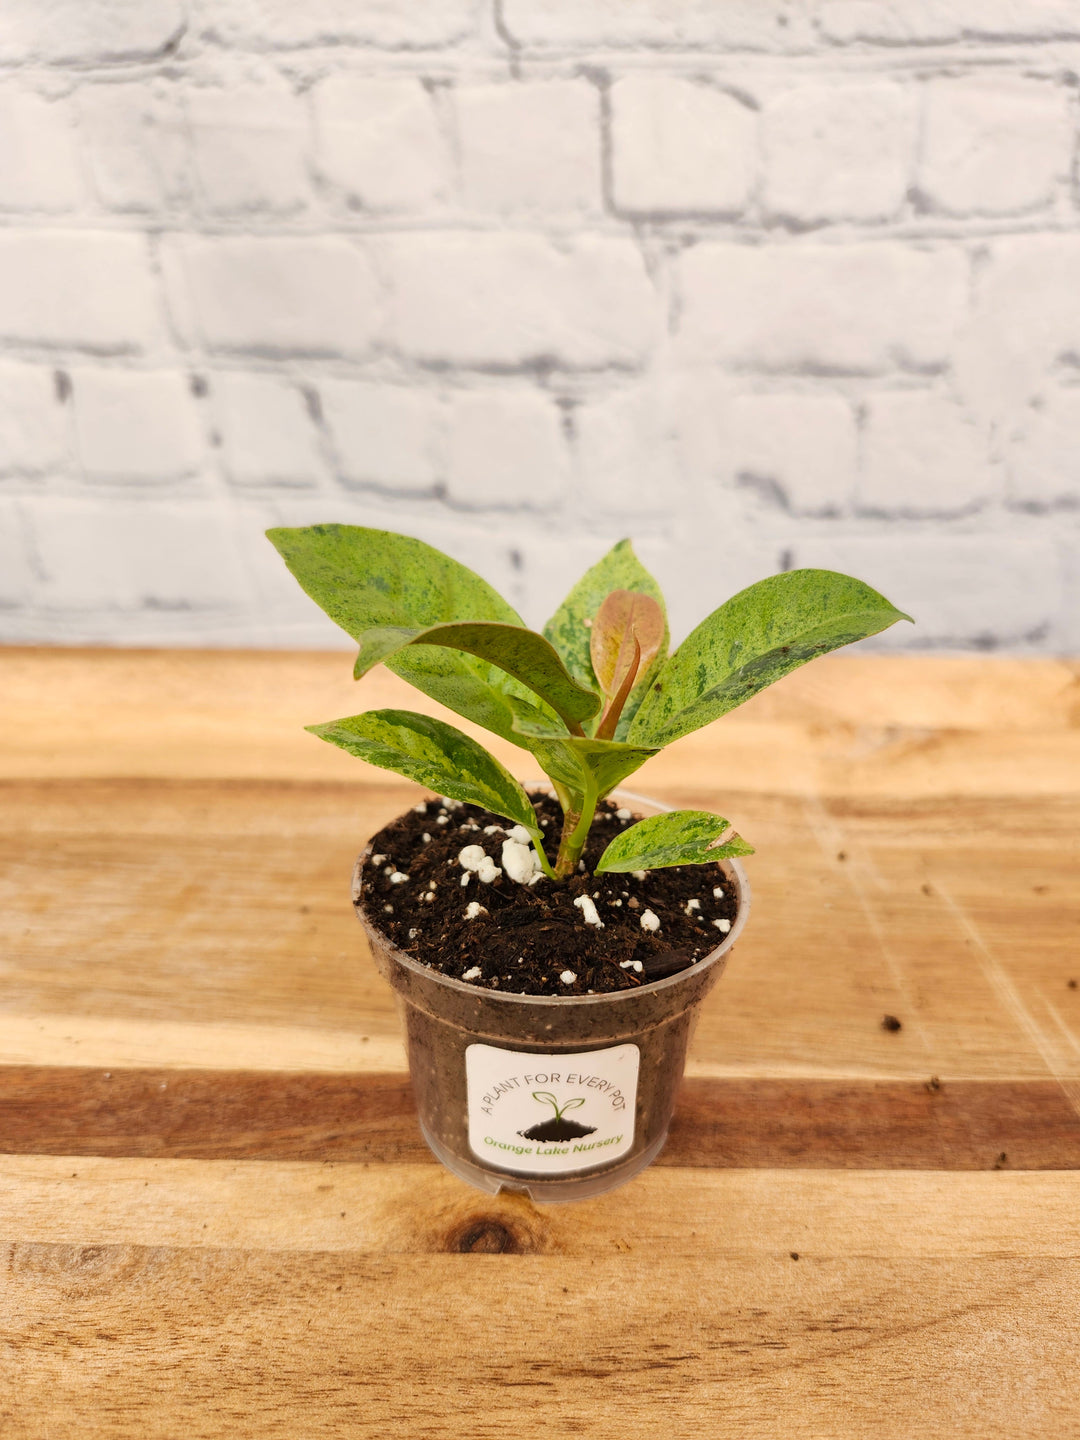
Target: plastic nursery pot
(555, 1097)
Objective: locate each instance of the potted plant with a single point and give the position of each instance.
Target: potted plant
(549, 950)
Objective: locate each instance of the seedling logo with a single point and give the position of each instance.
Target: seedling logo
(557, 1129)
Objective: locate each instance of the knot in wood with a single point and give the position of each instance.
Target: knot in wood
(485, 1236)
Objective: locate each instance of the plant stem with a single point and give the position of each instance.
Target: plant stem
(577, 822)
(541, 854)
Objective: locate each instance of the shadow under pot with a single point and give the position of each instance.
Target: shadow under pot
(555, 1097)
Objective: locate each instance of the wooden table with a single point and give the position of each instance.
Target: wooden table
(218, 1217)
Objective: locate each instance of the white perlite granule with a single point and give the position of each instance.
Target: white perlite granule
(639, 874)
(568, 977)
(473, 909)
(622, 814)
(718, 892)
(378, 859)
(649, 921)
(475, 857)
(520, 861)
(724, 925)
(692, 905)
(398, 878)
(588, 910)
(473, 974)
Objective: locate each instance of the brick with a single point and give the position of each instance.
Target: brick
(1025, 322)
(136, 554)
(506, 448)
(625, 24)
(702, 564)
(282, 24)
(626, 460)
(34, 424)
(977, 590)
(136, 425)
(993, 145)
(933, 21)
(858, 309)
(797, 451)
(518, 299)
(383, 435)
(838, 152)
(39, 167)
(530, 147)
(277, 295)
(267, 435)
(16, 575)
(88, 30)
(921, 456)
(249, 148)
(680, 145)
(380, 143)
(135, 137)
(1042, 464)
(83, 289)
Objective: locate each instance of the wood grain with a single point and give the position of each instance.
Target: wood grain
(419, 1209)
(217, 1218)
(736, 1123)
(207, 923)
(151, 1298)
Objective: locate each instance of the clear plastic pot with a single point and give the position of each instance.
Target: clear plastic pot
(555, 1097)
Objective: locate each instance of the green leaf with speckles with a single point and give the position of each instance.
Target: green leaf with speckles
(434, 754)
(585, 765)
(756, 637)
(681, 837)
(366, 579)
(521, 653)
(569, 628)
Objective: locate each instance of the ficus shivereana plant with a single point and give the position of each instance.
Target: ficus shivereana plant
(592, 697)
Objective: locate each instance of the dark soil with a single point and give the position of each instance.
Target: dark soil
(530, 935)
(557, 1130)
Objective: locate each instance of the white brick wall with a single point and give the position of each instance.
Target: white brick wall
(763, 283)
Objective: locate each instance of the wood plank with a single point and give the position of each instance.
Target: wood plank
(156, 1343)
(420, 1209)
(729, 1124)
(154, 1298)
(200, 923)
(899, 725)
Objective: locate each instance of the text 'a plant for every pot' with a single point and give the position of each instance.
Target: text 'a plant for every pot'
(550, 950)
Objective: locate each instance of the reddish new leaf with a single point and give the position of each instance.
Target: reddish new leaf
(624, 614)
(626, 638)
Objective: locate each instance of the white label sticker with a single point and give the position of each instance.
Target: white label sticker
(551, 1114)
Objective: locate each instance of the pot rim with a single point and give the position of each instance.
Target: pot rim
(427, 972)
